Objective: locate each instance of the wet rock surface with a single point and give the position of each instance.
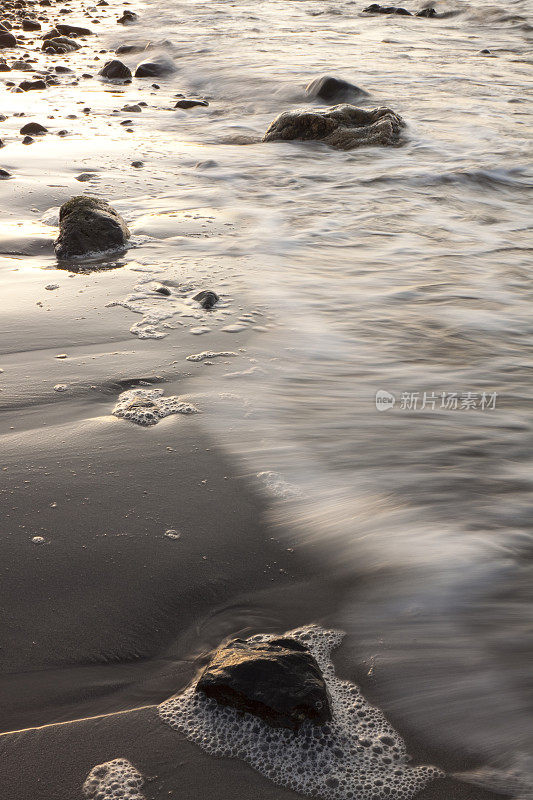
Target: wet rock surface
(115, 70)
(344, 127)
(87, 225)
(190, 103)
(333, 89)
(155, 68)
(375, 8)
(33, 129)
(279, 681)
(206, 298)
(7, 39)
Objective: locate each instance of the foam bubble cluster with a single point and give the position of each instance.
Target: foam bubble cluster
(356, 756)
(210, 354)
(148, 406)
(114, 780)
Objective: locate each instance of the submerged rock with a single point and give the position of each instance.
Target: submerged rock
(156, 68)
(375, 8)
(115, 70)
(206, 298)
(87, 225)
(333, 89)
(190, 103)
(279, 681)
(127, 18)
(344, 126)
(426, 12)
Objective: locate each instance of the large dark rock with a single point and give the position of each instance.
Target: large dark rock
(33, 129)
(344, 126)
(115, 70)
(7, 39)
(279, 681)
(156, 68)
(86, 225)
(333, 90)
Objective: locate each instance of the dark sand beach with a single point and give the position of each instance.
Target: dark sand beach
(128, 553)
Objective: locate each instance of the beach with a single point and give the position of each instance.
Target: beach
(346, 439)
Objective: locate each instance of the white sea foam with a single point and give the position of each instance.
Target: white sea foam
(114, 780)
(357, 756)
(148, 406)
(210, 354)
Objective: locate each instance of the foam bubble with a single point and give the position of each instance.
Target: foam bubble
(113, 780)
(276, 485)
(210, 354)
(172, 533)
(357, 756)
(148, 406)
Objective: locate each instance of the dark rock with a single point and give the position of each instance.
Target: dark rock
(333, 89)
(115, 70)
(4, 67)
(127, 18)
(279, 682)
(163, 290)
(28, 140)
(207, 299)
(485, 52)
(157, 68)
(28, 86)
(87, 224)
(72, 30)
(4, 174)
(344, 126)
(31, 25)
(375, 8)
(426, 12)
(7, 39)
(190, 103)
(62, 70)
(50, 34)
(2, 143)
(129, 48)
(34, 129)
(60, 44)
(133, 109)
(137, 164)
